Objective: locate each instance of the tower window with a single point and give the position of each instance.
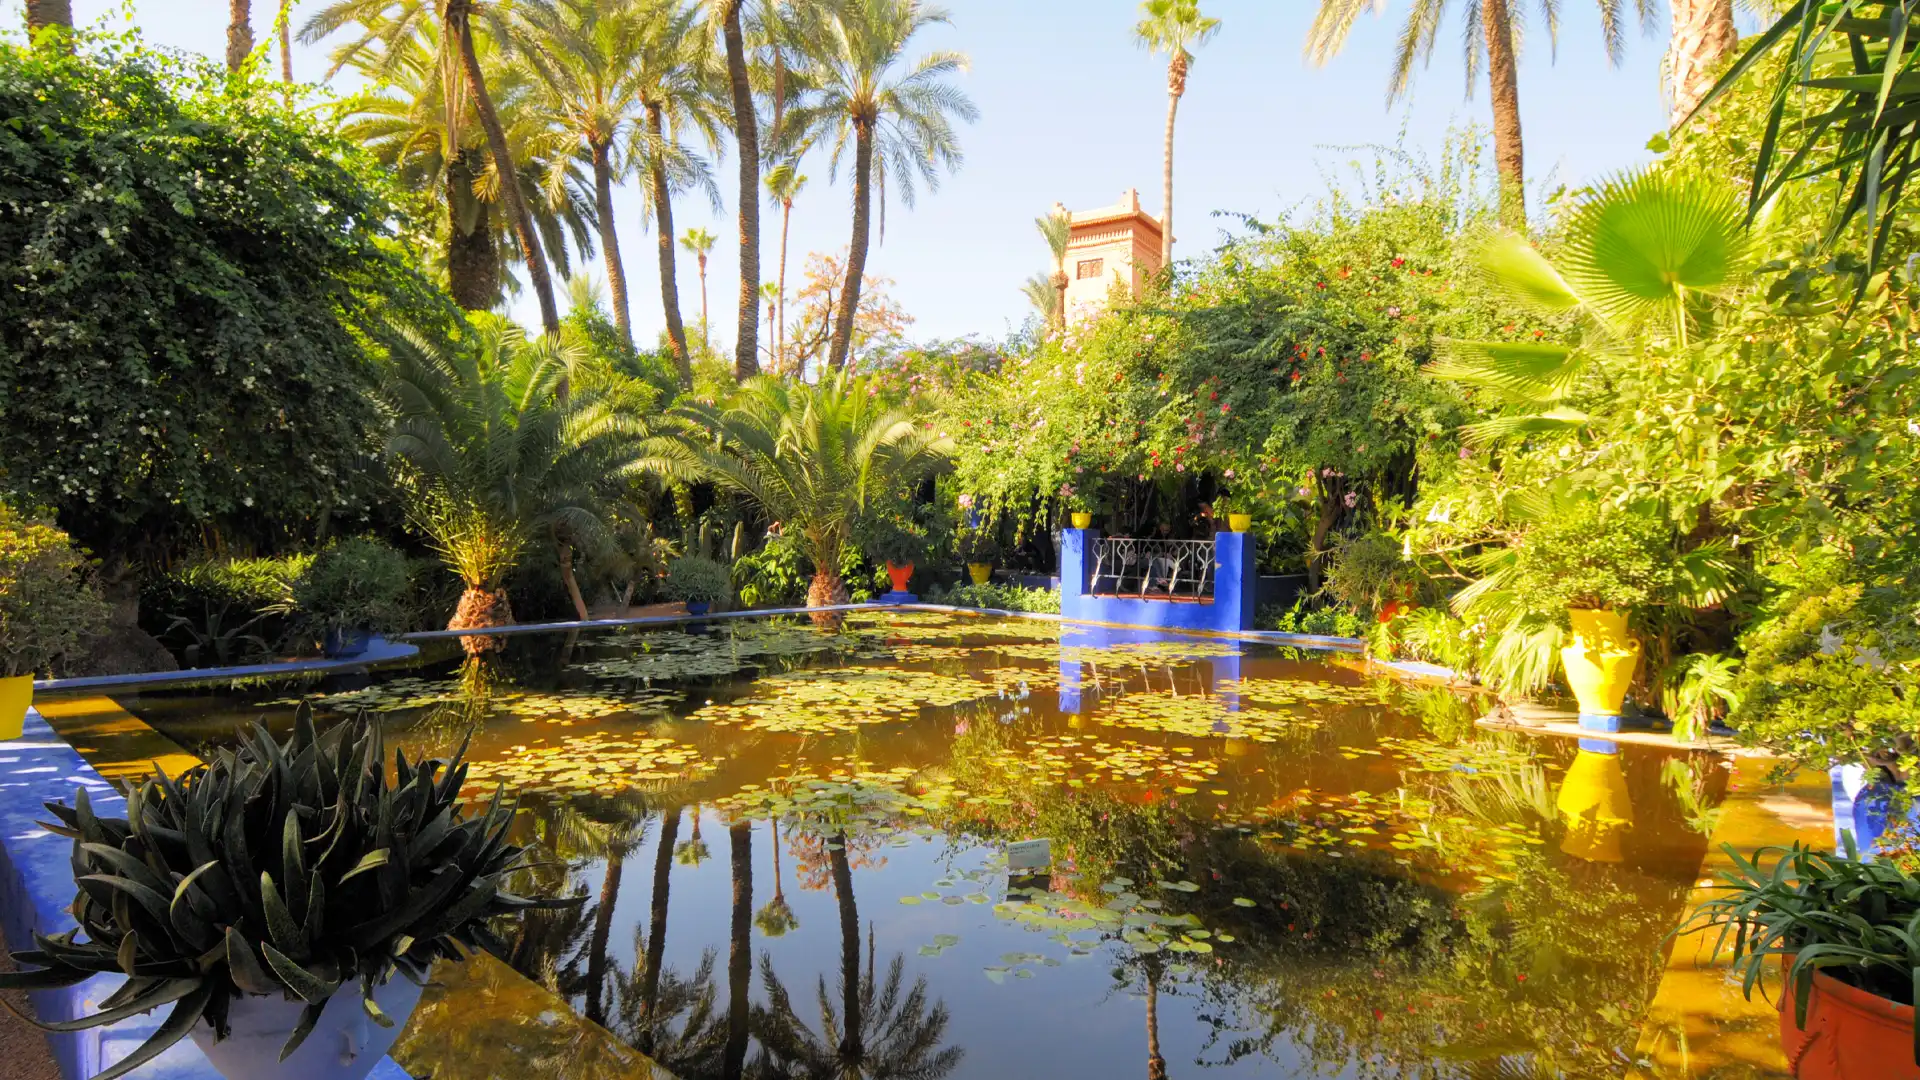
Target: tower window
(1090, 268)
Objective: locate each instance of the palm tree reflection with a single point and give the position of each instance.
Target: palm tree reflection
(877, 1033)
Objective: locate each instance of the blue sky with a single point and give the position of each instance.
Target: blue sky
(1072, 111)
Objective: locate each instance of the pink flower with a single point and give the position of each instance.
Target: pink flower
(1352, 500)
(1229, 474)
(1180, 467)
(966, 502)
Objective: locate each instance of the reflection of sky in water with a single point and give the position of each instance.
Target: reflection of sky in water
(1410, 889)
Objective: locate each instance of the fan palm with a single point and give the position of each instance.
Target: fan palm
(673, 64)
(490, 458)
(784, 183)
(1174, 27)
(588, 94)
(1644, 249)
(897, 117)
(809, 456)
(1057, 229)
(459, 64)
(698, 243)
(403, 120)
(1501, 25)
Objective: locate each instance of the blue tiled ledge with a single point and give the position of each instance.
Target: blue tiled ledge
(36, 887)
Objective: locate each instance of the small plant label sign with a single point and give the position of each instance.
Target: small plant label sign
(1030, 855)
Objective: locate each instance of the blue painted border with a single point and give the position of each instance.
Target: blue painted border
(36, 887)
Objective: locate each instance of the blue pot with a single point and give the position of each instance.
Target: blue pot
(1863, 808)
(342, 644)
(697, 607)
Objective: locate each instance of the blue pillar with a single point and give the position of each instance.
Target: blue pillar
(1078, 550)
(1236, 581)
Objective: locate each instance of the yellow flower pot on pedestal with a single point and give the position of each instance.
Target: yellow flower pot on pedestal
(16, 693)
(979, 572)
(1239, 522)
(1082, 519)
(1594, 803)
(1600, 661)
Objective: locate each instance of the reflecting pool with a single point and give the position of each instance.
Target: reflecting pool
(806, 852)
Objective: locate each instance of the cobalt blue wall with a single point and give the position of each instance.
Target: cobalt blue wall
(1236, 588)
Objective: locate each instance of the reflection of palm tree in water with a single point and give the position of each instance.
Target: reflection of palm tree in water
(877, 1033)
(694, 851)
(777, 917)
(1156, 1064)
(739, 950)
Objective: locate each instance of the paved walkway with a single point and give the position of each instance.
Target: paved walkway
(22, 1046)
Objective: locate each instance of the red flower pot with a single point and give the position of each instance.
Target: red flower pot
(900, 575)
(1850, 1034)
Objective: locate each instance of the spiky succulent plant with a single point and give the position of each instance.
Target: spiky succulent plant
(275, 868)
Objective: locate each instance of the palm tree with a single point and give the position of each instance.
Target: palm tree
(1057, 229)
(405, 121)
(777, 918)
(883, 1033)
(44, 13)
(650, 967)
(1174, 27)
(1703, 34)
(784, 183)
(239, 33)
(673, 63)
(283, 25)
(1500, 23)
(580, 52)
(699, 242)
(809, 456)
(897, 115)
(1040, 292)
(746, 134)
(489, 457)
(458, 60)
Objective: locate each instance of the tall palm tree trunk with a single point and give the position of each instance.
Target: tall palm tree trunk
(44, 13)
(1504, 81)
(739, 951)
(602, 929)
(663, 245)
(656, 929)
(702, 257)
(780, 314)
(459, 21)
(1703, 34)
(609, 238)
(285, 29)
(239, 33)
(1059, 283)
(851, 1050)
(473, 268)
(857, 251)
(1176, 86)
(565, 552)
(1156, 1064)
(746, 348)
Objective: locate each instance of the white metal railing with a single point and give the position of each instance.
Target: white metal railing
(1154, 569)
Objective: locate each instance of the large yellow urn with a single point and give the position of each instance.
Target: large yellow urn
(1600, 660)
(1594, 804)
(16, 693)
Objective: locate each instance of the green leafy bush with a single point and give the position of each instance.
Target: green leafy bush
(1366, 571)
(890, 536)
(224, 611)
(1586, 559)
(274, 871)
(775, 576)
(49, 606)
(1000, 597)
(696, 579)
(1329, 621)
(359, 583)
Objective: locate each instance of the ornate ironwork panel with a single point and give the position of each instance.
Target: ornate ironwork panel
(1154, 569)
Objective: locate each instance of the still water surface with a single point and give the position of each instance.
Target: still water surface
(793, 849)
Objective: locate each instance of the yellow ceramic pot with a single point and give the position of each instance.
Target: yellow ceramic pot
(979, 572)
(1594, 803)
(1239, 522)
(1600, 660)
(16, 693)
(1082, 519)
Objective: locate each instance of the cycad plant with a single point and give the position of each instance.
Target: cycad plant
(495, 450)
(810, 457)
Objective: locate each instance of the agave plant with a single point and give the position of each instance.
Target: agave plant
(289, 868)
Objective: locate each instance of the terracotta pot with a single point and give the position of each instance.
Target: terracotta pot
(1600, 660)
(1850, 1034)
(1239, 522)
(899, 575)
(1082, 519)
(980, 572)
(16, 693)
